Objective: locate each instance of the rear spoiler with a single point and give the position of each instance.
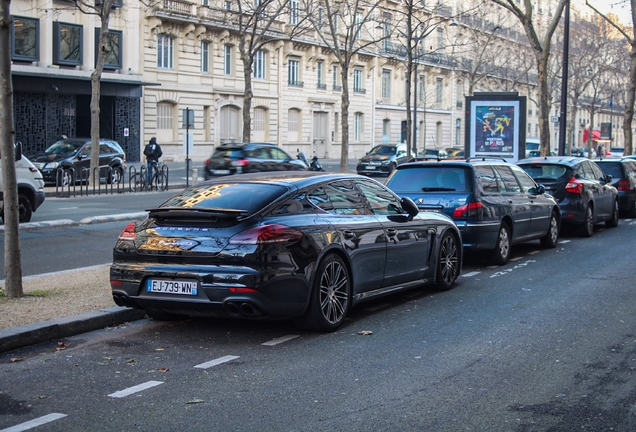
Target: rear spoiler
(195, 213)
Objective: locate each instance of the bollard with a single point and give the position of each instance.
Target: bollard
(195, 176)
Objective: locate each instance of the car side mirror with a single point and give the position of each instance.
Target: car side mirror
(608, 178)
(18, 151)
(410, 207)
(539, 190)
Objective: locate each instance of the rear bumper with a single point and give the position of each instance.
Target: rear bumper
(476, 236)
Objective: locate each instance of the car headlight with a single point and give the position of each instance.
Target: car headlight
(52, 165)
(385, 162)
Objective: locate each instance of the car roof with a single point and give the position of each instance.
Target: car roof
(297, 179)
(453, 162)
(243, 144)
(553, 160)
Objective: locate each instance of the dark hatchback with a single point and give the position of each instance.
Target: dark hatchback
(584, 192)
(382, 159)
(68, 161)
(623, 174)
(305, 245)
(243, 158)
(495, 204)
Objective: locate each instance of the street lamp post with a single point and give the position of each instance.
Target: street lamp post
(564, 80)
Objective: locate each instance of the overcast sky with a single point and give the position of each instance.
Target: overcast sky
(618, 7)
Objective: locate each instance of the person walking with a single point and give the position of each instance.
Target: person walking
(153, 152)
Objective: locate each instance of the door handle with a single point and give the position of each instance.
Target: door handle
(390, 232)
(348, 234)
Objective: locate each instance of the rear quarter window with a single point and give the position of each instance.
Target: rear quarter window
(486, 179)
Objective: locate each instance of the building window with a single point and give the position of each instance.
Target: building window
(293, 120)
(358, 25)
(25, 39)
(293, 71)
(294, 11)
(334, 71)
(460, 94)
(440, 38)
(259, 64)
(386, 131)
(259, 120)
(357, 127)
(164, 116)
(228, 5)
(458, 125)
(205, 2)
(114, 43)
(438, 134)
(320, 72)
(386, 83)
(227, 59)
(205, 56)
(319, 18)
(357, 81)
(439, 86)
(421, 84)
(165, 47)
(68, 44)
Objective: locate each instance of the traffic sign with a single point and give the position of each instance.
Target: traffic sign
(554, 119)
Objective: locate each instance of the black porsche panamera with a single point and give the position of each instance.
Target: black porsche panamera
(281, 245)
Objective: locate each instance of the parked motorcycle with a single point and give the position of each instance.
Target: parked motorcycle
(314, 165)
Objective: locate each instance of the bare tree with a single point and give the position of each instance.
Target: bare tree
(541, 46)
(600, 81)
(628, 33)
(345, 37)
(258, 26)
(12, 257)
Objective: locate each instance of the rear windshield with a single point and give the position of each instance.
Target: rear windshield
(545, 172)
(612, 168)
(429, 179)
(228, 196)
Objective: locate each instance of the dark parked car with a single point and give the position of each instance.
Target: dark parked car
(623, 174)
(583, 191)
(383, 159)
(304, 245)
(243, 158)
(495, 204)
(68, 161)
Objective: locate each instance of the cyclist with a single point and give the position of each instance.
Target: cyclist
(153, 152)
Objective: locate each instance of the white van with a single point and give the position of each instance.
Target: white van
(30, 186)
(532, 145)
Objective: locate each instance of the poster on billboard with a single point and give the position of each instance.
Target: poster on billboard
(494, 126)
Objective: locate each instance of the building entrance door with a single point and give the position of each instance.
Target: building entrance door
(320, 134)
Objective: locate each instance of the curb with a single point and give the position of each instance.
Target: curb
(35, 333)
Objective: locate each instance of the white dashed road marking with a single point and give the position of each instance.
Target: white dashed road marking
(135, 389)
(34, 423)
(280, 340)
(471, 274)
(564, 241)
(215, 362)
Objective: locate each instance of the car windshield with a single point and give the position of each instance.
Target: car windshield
(229, 196)
(383, 150)
(429, 179)
(545, 172)
(63, 147)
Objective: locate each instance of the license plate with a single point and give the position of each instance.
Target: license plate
(221, 171)
(173, 287)
(370, 167)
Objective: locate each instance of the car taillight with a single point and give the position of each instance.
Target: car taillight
(466, 210)
(240, 162)
(266, 234)
(207, 162)
(129, 233)
(574, 186)
(623, 185)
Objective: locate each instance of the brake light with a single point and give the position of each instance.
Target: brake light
(129, 233)
(470, 209)
(243, 290)
(207, 162)
(574, 186)
(266, 234)
(623, 185)
(240, 163)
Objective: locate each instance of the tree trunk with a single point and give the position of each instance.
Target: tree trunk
(96, 77)
(248, 94)
(629, 105)
(12, 257)
(570, 130)
(344, 120)
(544, 102)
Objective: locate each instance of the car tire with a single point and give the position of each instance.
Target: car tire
(25, 211)
(632, 210)
(587, 228)
(501, 253)
(392, 168)
(613, 222)
(67, 178)
(551, 238)
(116, 175)
(330, 297)
(448, 262)
(163, 316)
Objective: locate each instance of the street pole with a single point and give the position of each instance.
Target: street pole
(415, 82)
(564, 80)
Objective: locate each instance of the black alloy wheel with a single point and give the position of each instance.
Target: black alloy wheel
(330, 297)
(613, 222)
(448, 262)
(551, 238)
(24, 209)
(116, 175)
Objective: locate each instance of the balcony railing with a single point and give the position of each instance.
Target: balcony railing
(296, 83)
(337, 88)
(359, 90)
(321, 86)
